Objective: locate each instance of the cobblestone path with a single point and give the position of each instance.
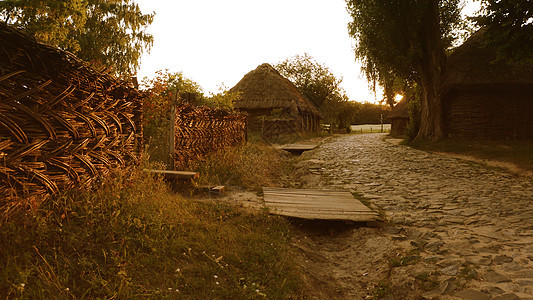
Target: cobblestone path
(466, 230)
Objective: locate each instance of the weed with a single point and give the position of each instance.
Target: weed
(402, 261)
(130, 237)
(468, 273)
(381, 290)
(427, 281)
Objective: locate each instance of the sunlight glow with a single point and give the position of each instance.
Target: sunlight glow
(398, 98)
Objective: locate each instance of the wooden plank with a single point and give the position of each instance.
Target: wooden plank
(311, 193)
(317, 204)
(288, 206)
(355, 218)
(322, 213)
(174, 174)
(311, 198)
(219, 189)
(317, 208)
(304, 192)
(338, 206)
(299, 147)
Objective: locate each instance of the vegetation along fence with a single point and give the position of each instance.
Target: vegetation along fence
(61, 122)
(202, 130)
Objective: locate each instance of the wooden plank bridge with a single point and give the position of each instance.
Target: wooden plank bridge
(298, 148)
(317, 205)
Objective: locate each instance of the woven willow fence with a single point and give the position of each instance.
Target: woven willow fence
(273, 128)
(202, 130)
(61, 122)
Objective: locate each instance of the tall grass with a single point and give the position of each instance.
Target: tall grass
(251, 166)
(130, 237)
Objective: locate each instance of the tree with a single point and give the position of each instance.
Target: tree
(406, 40)
(107, 33)
(509, 28)
(313, 79)
(161, 91)
(316, 82)
(222, 99)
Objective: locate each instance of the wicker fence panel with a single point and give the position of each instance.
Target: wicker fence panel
(489, 115)
(201, 130)
(276, 127)
(61, 123)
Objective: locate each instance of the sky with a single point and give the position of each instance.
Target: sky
(215, 43)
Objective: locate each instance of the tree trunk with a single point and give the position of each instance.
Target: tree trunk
(431, 65)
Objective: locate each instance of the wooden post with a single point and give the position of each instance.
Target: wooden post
(172, 131)
(381, 123)
(246, 130)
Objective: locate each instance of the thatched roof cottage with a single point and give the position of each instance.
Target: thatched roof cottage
(265, 89)
(484, 98)
(399, 117)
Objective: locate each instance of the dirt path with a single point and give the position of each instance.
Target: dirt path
(454, 230)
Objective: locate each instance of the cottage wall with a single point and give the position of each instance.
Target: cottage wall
(255, 118)
(305, 123)
(489, 114)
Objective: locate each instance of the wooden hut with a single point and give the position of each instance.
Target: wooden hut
(265, 89)
(399, 117)
(485, 98)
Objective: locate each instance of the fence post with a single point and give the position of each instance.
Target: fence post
(246, 130)
(381, 123)
(172, 131)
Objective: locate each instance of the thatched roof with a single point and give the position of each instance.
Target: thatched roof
(266, 88)
(400, 110)
(473, 65)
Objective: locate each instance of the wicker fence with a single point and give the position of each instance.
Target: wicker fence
(273, 128)
(202, 130)
(61, 122)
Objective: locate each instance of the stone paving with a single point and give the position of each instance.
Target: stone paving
(472, 224)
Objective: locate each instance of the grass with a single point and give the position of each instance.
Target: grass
(256, 137)
(427, 281)
(403, 261)
(370, 128)
(130, 237)
(517, 152)
(251, 166)
(381, 290)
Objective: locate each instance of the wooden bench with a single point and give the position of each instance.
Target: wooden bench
(185, 175)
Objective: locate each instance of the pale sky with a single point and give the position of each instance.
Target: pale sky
(216, 42)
